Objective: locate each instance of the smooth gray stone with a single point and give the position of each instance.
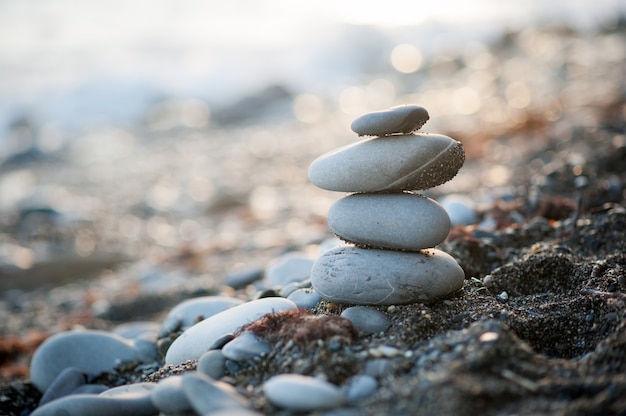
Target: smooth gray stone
(130, 390)
(352, 275)
(91, 389)
(195, 341)
(366, 320)
(389, 164)
(246, 346)
(460, 209)
(139, 329)
(305, 298)
(212, 364)
(90, 351)
(293, 286)
(241, 278)
(187, 313)
(402, 119)
(64, 384)
(360, 387)
(207, 395)
(288, 268)
(396, 221)
(168, 395)
(96, 405)
(302, 393)
(378, 367)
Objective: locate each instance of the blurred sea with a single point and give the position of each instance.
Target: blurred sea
(69, 64)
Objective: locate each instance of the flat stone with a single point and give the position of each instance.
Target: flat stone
(195, 341)
(396, 221)
(212, 363)
(402, 119)
(305, 298)
(130, 390)
(302, 393)
(207, 396)
(366, 320)
(168, 395)
(389, 164)
(288, 268)
(64, 384)
(352, 275)
(187, 313)
(246, 346)
(96, 405)
(91, 352)
(360, 387)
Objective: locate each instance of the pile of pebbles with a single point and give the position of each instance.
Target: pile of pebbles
(392, 229)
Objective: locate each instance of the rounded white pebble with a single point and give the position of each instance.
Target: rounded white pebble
(302, 393)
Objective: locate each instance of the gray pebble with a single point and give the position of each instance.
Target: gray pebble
(189, 312)
(91, 352)
(360, 387)
(136, 330)
(245, 346)
(302, 393)
(378, 367)
(461, 209)
(401, 119)
(242, 278)
(389, 164)
(130, 390)
(65, 383)
(168, 395)
(195, 341)
(290, 267)
(207, 395)
(212, 363)
(291, 287)
(366, 320)
(394, 221)
(351, 275)
(305, 298)
(97, 405)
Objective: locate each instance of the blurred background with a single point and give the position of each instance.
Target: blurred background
(179, 133)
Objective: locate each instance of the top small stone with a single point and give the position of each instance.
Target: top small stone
(402, 119)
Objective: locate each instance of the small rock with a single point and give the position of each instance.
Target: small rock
(366, 320)
(242, 278)
(195, 341)
(64, 384)
(389, 164)
(378, 367)
(130, 390)
(394, 221)
(352, 275)
(402, 119)
(361, 387)
(460, 209)
(168, 395)
(290, 267)
(97, 405)
(207, 395)
(191, 311)
(305, 298)
(212, 363)
(302, 393)
(246, 346)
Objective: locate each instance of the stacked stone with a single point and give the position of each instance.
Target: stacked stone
(392, 230)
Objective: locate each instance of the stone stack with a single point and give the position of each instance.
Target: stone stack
(391, 229)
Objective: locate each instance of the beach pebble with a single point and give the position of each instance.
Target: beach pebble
(401, 119)
(352, 275)
(130, 390)
(301, 393)
(378, 367)
(290, 267)
(91, 352)
(138, 330)
(360, 387)
(394, 221)
(168, 395)
(207, 396)
(97, 405)
(389, 164)
(241, 278)
(191, 311)
(245, 346)
(195, 341)
(305, 298)
(65, 383)
(461, 209)
(366, 320)
(212, 363)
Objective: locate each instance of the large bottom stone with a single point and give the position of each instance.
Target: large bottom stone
(352, 275)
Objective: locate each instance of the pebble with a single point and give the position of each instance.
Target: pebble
(305, 298)
(367, 320)
(207, 396)
(212, 363)
(130, 390)
(138, 330)
(246, 346)
(351, 275)
(187, 313)
(98, 405)
(360, 387)
(401, 119)
(168, 395)
(241, 278)
(64, 384)
(301, 393)
(288, 268)
(91, 352)
(394, 221)
(389, 164)
(378, 367)
(194, 342)
(461, 209)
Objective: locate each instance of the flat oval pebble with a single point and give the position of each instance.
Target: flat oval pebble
(305, 298)
(96, 405)
(168, 395)
(64, 384)
(191, 311)
(207, 396)
(402, 119)
(360, 387)
(288, 268)
(389, 164)
(212, 363)
(366, 320)
(394, 221)
(246, 346)
(195, 341)
(352, 275)
(302, 393)
(92, 352)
